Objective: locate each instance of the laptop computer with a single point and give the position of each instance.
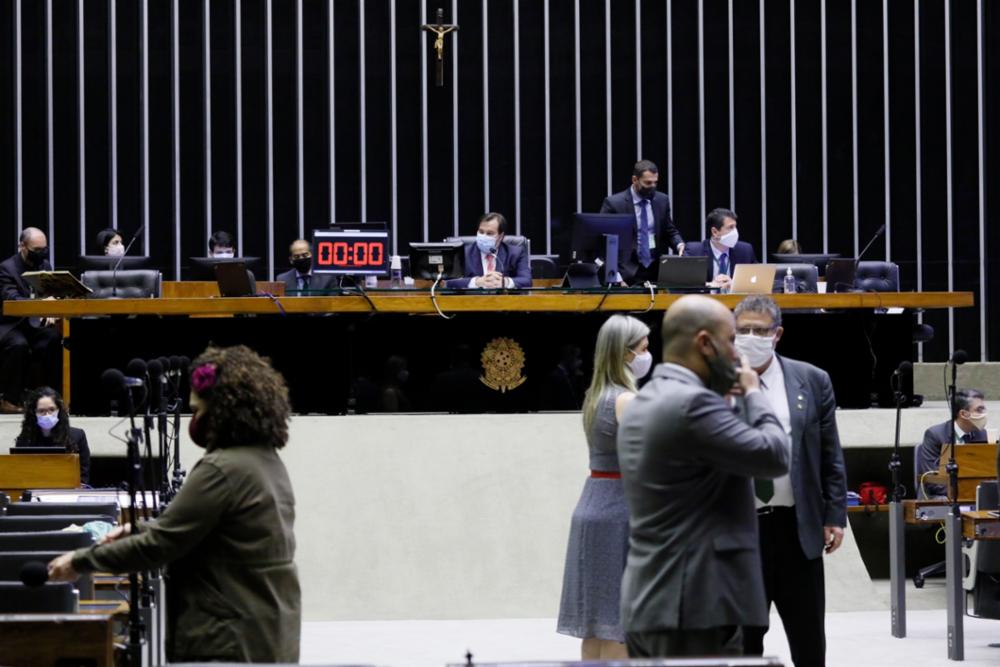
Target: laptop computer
(753, 279)
(685, 274)
(840, 274)
(233, 279)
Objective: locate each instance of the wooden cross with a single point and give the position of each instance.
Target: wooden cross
(440, 29)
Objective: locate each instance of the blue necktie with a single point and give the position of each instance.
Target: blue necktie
(724, 264)
(645, 258)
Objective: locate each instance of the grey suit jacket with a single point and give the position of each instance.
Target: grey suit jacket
(819, 483)
(687, 461)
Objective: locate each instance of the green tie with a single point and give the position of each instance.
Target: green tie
(763, 489)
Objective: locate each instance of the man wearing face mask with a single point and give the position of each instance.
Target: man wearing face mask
(724, 247)
(654, 230)
(693, 577)
(970, 426)
(492, 264)
(22, 338)
(300, 277)
(221, 246)
(801, 515)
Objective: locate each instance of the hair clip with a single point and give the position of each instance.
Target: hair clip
(204, 377)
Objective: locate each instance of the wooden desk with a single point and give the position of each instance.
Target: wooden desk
(187, 289)
(38, 471)
(42, 640)
(980, 525)
(977, 462)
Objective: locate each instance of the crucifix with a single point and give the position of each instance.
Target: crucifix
(440, 29)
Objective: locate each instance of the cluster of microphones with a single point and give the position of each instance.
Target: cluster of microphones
(161, 377)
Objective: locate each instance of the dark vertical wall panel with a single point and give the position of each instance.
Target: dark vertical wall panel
(639, 109)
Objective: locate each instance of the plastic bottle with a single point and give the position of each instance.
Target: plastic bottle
(396, 269)
(789, 281)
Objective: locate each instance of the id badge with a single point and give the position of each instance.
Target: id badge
(652, 241)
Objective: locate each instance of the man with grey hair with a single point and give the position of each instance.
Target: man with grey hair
(693, 574)
(801, 515)
(22, 338)
(969, 426)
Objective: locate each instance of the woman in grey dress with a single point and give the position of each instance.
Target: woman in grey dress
(598, 538)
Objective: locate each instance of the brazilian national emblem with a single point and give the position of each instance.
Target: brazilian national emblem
(503, 361)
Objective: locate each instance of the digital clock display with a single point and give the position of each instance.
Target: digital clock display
(351, 252)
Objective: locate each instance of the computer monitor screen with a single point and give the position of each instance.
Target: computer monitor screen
(428, 260)
(589, 230)
(204, 267)
(352, 249)
(107, 263)
(820, 260)
(37, 450)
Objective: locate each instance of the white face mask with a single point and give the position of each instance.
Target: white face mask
(730, 238)
(225, 255)
(979, 421)
(757, 349)
(640, 364)
(116, 250)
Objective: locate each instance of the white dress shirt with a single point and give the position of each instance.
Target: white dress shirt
(508, 282)
(772, 384)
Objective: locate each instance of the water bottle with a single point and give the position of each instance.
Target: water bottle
(789, 281)
(396, 269)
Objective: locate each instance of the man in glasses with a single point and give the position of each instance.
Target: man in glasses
(801, 515)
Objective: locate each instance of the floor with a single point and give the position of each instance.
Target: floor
(854, 639)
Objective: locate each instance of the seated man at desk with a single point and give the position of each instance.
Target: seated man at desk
(46, 424)
(723, 246)
(220, 244)
(24, 338)
(492, 264)
(300, 276)
(970, 426)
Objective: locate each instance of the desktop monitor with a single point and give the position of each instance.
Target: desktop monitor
(591, 242)
(351, 249)
(204, 267)
(820, 260)
(107, 263)
(430, 260)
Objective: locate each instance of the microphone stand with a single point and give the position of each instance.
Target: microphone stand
(954, 564)
(136, 627)
(114, 270)
(179, 472)
(897, 535)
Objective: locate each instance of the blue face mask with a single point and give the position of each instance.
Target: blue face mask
(486, 243)
(47, 422)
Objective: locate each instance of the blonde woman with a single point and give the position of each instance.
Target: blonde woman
(598, 540)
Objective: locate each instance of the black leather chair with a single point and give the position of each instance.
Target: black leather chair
(806, 277)
(877, 277)
(55, 540)
(49, 598)
(982, 561)
(509, 239)
(138, 284)
(13, 562)
(545, 266)
(48, 509)
(27, 524)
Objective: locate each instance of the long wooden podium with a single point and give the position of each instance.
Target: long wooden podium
(38, 471)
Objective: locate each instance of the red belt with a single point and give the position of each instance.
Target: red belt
(605, 475)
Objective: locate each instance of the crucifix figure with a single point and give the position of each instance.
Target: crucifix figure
(440, 29)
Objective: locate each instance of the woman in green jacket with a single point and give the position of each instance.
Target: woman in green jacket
(227, 537)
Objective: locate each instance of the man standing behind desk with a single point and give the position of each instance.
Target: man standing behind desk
(655, 231)
(23, 337)
(969, 427)
(801, 515)
(693, 577)
(492, 264)
(300, 276)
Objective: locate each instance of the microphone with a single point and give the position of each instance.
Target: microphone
(905, 368)
(34, 573)
(959, 357)
(115, 381)
(154, 368)
(879, 232)
(114, 270)
(137, 369)
(175, 365)
(155, 371)
(185, 363)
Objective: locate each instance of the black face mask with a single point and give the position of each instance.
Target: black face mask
(36, 257)
(722, 372)
(647, 193)
(302, 264)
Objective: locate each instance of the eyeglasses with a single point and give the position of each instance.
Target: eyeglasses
(756, 331)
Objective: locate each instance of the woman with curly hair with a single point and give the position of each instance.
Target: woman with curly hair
(232, 586)
(46, 424)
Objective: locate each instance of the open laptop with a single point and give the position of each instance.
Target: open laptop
(840, 274)
(753, 279)
(683, 274)
(233, 279)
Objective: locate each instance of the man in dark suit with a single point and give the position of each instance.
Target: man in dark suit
(801, 515)
(300, 276)
(654, 231)
(970, 426)
(22, 338)
(492, 264)
(693, 575)
(723, 247)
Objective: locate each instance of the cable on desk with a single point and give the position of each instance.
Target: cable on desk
(652, 298)
(604, 298)
(434, 297)
(276, 301)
